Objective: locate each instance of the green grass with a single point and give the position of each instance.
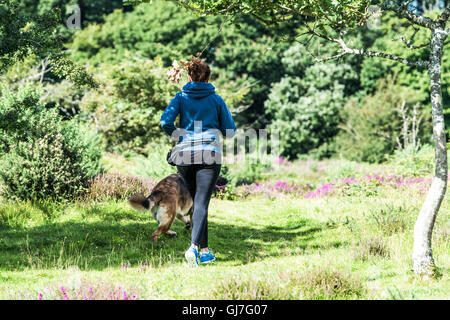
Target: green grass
(265, 249)
(354, 246)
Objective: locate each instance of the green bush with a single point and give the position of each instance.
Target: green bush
(127, 109)
(117, 186)
(243, 172)
(341, 169)
(372, 124)
(316, 283)
(306, 110)
(24, 214)
(370, 246)
(416, 163)
(154, 165)
(389, 219)
(42, 156)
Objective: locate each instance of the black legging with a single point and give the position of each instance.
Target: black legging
(201, 180)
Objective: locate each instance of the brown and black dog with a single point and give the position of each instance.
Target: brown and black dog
(170, 198)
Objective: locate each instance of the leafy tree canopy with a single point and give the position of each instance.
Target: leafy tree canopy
(22, 35)
(338, 14)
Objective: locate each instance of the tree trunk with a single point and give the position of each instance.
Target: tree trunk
(422, 257)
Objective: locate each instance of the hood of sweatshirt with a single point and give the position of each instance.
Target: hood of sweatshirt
(198, 90)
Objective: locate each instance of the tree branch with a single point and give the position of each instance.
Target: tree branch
(403, 11)
(331, 58)
(346, 50)
(446, 13)
(408, 42)
(418, 47)
(420, 64)
(267, 22)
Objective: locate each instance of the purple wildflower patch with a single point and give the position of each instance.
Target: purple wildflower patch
(99, 292)
(370, 182)
(272, 189)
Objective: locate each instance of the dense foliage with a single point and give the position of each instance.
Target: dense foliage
(268, 78)
(249, 55)
(41, 155)
(305, 109)
(127, 107)
(91, 11)
(250, 62)
(22, 35)
(373, 124)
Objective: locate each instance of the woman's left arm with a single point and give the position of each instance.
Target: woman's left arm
(227, 126)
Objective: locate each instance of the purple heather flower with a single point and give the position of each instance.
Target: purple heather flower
(280, 184)
(64, 293)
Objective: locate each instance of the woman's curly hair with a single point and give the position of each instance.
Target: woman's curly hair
(196, 68)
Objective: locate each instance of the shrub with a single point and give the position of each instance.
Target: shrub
(154, 165)
(226, 193)
(372, 124)
(272, 190)
(243, 171)
(314, 283)
(42, 156)
(325, 283)
(389, 219)
(414, 163)
(238, 288)
(341, 169)
(117, 186)
(241, 174)
(306, 110)
(25, 213)
(374, 246)
(127, 109)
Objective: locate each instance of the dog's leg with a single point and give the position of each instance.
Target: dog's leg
(185, 220)
(165, 219)
(190, 213)
(171, 233)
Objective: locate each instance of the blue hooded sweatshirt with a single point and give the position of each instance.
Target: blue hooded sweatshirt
(204, 116)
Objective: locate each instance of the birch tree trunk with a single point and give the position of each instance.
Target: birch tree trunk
(422, 257)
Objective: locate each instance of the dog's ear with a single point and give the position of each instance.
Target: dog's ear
(221, 181)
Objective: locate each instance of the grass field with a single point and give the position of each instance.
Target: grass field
(355, 244)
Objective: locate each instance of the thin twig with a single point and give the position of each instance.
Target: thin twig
(332, 58)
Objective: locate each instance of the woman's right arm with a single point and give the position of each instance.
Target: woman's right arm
(169, 115)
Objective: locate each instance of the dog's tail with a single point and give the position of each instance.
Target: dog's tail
(139, 202)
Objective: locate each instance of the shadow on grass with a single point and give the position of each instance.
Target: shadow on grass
(111, 242)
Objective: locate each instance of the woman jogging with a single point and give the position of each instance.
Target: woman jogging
(204, 117)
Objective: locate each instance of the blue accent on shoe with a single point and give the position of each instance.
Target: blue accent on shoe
(207, 257)
(192, 257)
